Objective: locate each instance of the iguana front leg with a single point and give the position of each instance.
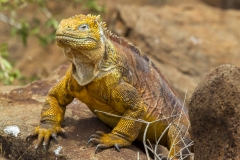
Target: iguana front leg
(125, 99)
(52, 114)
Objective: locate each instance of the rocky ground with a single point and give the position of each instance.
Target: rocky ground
(186, 40)
(21, 106)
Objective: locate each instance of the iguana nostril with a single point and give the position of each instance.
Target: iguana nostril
(68, 28)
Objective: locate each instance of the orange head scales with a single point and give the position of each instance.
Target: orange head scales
(81, 32)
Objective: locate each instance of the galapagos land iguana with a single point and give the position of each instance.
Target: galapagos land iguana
(110, 75)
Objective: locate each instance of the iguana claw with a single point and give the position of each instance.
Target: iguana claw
(89, 141)
(93, 136)
(117, 147)
(36, 149)
(45, 148)
(54, 137)
(101, 146)
(93, 140)
(96, 150)
(64, 134)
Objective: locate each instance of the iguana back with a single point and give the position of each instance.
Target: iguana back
(138, 70)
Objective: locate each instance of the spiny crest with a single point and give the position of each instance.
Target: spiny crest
(123, 42)
(92, 20)
(89, 19)
(75, 21)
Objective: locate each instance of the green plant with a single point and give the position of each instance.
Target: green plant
(7, 74)
(44, 31)
(31, 26)
(23, 28)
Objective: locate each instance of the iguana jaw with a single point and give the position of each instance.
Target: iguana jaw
(79, 43)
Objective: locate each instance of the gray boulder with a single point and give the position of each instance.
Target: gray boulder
(214, 112)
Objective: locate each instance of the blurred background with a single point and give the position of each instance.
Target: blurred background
(185, 39)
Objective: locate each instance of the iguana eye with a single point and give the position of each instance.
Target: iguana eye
(83, 27)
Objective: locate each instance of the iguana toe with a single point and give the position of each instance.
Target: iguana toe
(39, 141)
(94, 141)
(93, 136)
(34, 134)
(100, 133)
(31, 136)
(104, 141)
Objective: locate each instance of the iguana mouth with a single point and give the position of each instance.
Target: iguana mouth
(74, 39)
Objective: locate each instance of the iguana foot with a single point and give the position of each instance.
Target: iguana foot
(44, 132)
(104, 141)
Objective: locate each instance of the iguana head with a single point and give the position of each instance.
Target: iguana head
(83, 41)
(80, 32)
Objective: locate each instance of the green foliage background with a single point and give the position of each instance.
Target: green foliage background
(44, 31)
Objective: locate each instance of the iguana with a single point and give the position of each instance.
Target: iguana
(111, 75)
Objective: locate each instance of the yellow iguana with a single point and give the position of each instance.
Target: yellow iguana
(111, 75)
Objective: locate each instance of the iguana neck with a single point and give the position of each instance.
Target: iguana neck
(109, 60)
(84, 69)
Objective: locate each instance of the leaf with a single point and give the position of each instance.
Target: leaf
(17, 74)
(3, 47)
(1, 74)
(7, 65)
(51, 37)
(13, 31)
(52, 23)
(35, 31)
(42, 40)
(3, 1)
(55, 24)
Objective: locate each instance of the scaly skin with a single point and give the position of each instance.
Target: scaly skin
(111, 75)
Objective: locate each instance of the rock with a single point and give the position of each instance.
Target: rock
(224, 4)
(214, 112)
(21, 106)
(185, 42)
